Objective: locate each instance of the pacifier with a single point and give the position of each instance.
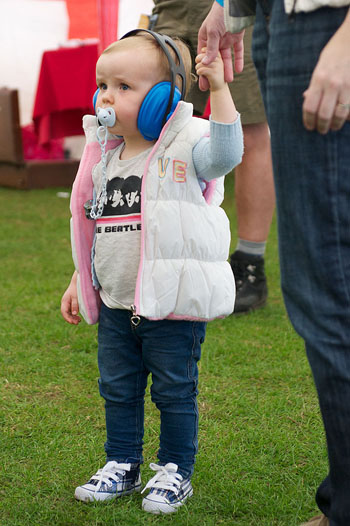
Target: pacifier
(106, 117)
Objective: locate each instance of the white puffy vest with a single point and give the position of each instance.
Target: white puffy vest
(185, 235)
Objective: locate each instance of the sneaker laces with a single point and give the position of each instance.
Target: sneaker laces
(166, 478)
(112, 470)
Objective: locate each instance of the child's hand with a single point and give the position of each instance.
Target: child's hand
(69, 303)
(214, 72)
(221, 104)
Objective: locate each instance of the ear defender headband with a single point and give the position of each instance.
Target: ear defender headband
(161, 101)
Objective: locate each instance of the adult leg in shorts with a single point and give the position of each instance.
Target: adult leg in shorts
(254, 189)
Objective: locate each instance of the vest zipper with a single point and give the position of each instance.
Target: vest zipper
(135, 318)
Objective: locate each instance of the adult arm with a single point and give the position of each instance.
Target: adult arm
(213, 36)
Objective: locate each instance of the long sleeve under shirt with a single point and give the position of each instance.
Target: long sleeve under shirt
(118, 231)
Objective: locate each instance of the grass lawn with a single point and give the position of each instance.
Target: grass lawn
(262, 451)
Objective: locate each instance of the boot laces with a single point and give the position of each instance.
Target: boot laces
(243, 272)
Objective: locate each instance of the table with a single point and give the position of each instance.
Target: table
(67, 82)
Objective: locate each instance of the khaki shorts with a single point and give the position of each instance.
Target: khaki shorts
(182, 18)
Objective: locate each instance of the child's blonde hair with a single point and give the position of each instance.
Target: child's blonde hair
(144, 38)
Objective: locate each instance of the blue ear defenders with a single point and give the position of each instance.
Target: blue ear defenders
(161, 101)
(94, 98)
(155, 111)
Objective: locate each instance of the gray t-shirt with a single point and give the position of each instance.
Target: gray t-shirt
(118, 231)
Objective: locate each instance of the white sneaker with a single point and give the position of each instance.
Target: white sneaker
(112, 481)
(168, 490)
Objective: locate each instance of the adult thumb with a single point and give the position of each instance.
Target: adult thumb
(211, 52)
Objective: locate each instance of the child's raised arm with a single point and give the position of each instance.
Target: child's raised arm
(69, 302)
(222, 106)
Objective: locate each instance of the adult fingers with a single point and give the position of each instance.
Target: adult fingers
(340, 115)
(212, 46)
(312, 100)
(227, 60)
(325, 110)
(238, 49)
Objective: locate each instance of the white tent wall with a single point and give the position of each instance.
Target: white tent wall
(129, 13)
(30, 27)
(27, 28)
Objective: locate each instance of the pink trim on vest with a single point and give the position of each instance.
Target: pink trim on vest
(84, 229)
(177, 317)
(209, 190)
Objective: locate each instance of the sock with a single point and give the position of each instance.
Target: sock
(251, 247)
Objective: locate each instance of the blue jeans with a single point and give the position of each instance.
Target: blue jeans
(169, 350)
(312, 178)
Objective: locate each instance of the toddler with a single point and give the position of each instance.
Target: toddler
(150, 251)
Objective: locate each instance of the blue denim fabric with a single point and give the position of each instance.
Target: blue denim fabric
(167, 349)
(312, 178)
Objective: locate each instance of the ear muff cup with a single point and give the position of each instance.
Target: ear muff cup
(94, 98)
(151, 115)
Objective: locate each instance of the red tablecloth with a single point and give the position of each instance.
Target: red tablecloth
(66, 85)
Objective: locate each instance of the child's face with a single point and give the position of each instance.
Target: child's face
(124, 77)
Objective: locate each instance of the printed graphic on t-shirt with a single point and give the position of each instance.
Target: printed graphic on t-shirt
(123, 196)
